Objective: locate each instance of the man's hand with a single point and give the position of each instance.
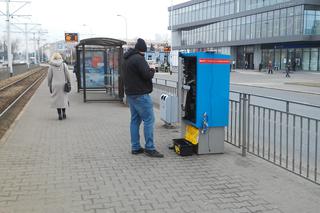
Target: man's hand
(152, 66)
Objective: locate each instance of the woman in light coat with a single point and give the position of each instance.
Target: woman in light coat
(58, 75)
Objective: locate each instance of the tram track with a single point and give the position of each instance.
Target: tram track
(15, 93)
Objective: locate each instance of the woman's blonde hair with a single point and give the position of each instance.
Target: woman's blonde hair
(56, 56)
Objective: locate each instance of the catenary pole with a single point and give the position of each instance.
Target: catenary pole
(35, 48)
(9, 52)
(8, 19)
(27, 44)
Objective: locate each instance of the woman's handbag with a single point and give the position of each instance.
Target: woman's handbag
(67, 85)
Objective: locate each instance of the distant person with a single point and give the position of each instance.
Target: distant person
(294, 64)
(260, 67)
(288, 70)
(58, 75)
(138, 84)
(77, 73)
(246, 65)
(270, 69)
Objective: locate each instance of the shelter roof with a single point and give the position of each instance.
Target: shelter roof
(100, 41)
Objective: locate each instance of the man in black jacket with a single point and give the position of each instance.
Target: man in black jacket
(138, 84)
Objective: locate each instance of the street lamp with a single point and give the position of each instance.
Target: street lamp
(86, 31)
(125, 20)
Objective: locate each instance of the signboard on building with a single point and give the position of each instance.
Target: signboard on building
(167, 49)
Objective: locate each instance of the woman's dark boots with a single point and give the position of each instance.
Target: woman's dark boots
(64, 116)
(59, 113)
(62, 113)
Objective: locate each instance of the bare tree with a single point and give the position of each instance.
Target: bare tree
(15, 45)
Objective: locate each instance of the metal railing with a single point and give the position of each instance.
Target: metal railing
(285, 133)
(165, 85)
(161, 86)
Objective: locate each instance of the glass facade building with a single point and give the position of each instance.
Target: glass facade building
(253, 32)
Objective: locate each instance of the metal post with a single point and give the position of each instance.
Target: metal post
(38, 48)
(287, 133)
(9, 52)
(125, 20)
(42, 54)
(27, 44)
(244, 125)
(35, 48)
(120, 78)
(84, 74)
(71, 55)
(179, 90)
(171, 26)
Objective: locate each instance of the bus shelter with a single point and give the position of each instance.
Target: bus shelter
(98, 69)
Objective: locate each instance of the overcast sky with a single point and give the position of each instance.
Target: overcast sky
(93, 18)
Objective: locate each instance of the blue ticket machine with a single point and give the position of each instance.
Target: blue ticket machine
(204, 95)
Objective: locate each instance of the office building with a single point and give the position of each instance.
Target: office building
(253, 32)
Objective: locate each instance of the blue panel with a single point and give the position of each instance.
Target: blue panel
(213, 77)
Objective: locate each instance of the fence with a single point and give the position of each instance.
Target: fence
(163, 86)
(17, 69)
(285, 133)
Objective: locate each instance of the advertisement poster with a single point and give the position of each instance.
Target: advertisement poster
(94, 69)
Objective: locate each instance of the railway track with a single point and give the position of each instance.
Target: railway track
(15, 93)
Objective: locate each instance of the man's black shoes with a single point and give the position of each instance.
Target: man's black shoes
(153, 153)
(139, 151)
(150, 153)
